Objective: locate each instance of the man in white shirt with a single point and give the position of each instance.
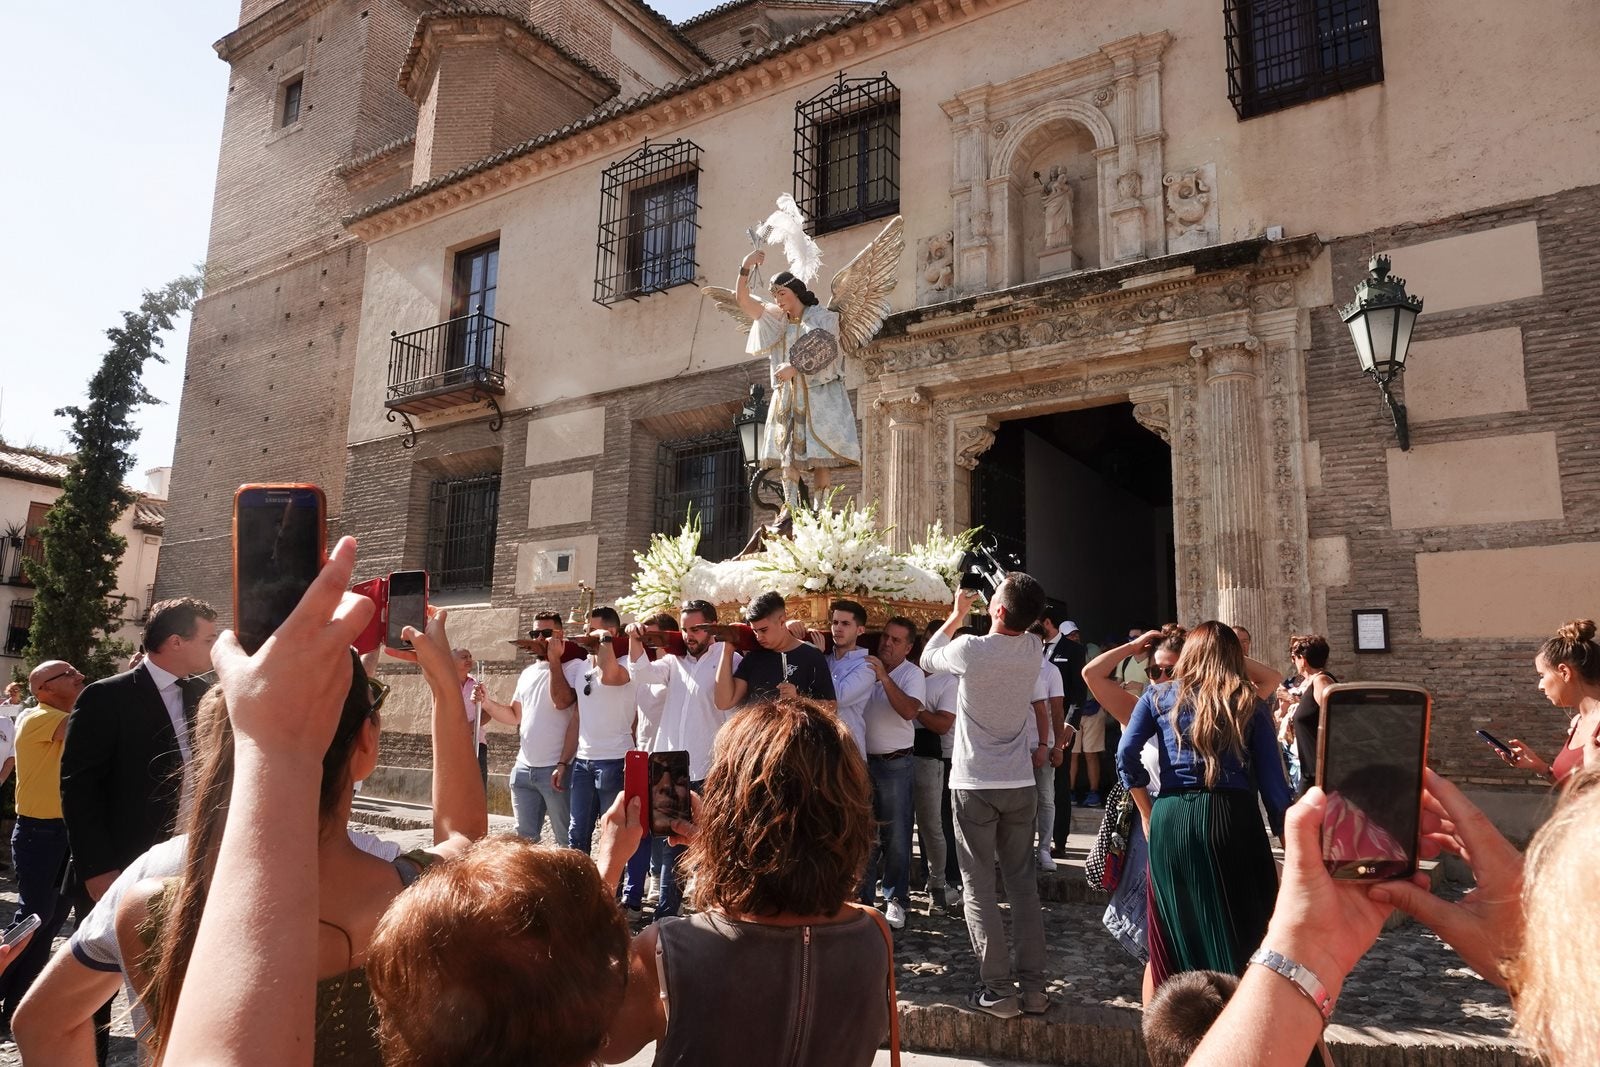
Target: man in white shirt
(994, 791)
(853, 680)
(606, 714)
(477, 710)
(893, 705)
(1052, 695)
(546, 708)
(690, 718)
(935, 734)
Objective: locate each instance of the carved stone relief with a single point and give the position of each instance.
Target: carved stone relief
(936, 267)
(1191, 208)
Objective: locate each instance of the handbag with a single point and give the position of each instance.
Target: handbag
(894, 1001)
(1109, 854)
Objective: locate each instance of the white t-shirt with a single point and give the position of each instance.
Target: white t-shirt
(651, 700)
(605, 715)
(544, 727)
(940, 695)
(886, 730)
(690, 718)
(1049, 686)
(994, 732)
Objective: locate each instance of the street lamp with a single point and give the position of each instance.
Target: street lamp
(1381, 319)
(751, 422)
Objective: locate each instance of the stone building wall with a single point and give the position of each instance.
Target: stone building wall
(1486, 536)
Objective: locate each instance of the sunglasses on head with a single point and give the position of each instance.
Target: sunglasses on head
(1159, 672)
(378, 692)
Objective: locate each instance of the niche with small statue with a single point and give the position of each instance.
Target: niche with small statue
(1061, 205)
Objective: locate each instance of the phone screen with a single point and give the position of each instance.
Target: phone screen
(669, 790)
(1372, 750)
(277, 551)
(408, 605)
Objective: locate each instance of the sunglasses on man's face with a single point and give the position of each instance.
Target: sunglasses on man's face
(70, 672)
(546, 633)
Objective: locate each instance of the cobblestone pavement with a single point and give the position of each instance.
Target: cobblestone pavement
(1410, 983)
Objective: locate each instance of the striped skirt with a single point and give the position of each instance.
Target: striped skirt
(1212, 882)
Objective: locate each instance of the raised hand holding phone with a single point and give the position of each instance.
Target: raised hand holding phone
(407, 606)
(279, 546)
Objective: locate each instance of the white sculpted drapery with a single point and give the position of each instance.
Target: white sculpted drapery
(810, 423)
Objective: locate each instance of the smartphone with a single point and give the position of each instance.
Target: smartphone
(1496, 743)
(377, 591)
(408, 606)
(279, 545)
(661, 781)
(24, 926)
(636, 781)
(1372, 747)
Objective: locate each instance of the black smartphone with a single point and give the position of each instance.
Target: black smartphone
(408, 605)
(1496, 743)
(1373, 745)
(669, 791)
(279, 545)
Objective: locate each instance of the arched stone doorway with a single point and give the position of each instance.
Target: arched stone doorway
(1209, 348)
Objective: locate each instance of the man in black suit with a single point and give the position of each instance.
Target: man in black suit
(1063, 647)
(127, 748)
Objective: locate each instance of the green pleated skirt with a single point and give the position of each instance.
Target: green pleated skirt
(1212, 881)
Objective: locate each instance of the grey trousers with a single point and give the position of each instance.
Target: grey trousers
(927, 794)
(998, 825)
(1045, 782)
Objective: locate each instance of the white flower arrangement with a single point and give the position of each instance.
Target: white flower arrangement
(834, 551)
(658, 586)
(941, 553)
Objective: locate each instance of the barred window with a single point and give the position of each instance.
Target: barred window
(1287, 52)
(649, 203)
(462, 514)
(847, 153)
(17, 626)
(706, 475)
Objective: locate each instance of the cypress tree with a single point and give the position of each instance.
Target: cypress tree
(73, 614)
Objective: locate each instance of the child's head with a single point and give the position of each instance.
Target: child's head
(1181, 1012)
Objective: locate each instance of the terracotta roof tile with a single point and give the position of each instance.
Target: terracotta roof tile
(34, 465)
(616, 109)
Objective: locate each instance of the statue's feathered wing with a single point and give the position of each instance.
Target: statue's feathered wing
(727, 302)
(861, 290)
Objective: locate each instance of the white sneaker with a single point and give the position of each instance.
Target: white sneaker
(1047, 862)
(652, 890)
(896, 915)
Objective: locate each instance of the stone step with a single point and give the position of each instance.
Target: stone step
(1103, 1036)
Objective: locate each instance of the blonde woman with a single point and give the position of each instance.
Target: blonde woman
(1212, 878)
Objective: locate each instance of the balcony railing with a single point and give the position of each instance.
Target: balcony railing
(11, 557)
(453, 363)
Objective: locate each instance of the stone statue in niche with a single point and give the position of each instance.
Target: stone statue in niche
(1057, 209)
(1191, 208)
(1056, 256)
(936, 265)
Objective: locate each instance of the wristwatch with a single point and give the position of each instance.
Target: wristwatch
(605, 639)
(1302, 976)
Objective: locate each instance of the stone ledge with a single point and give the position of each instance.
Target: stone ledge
(1087, 1036)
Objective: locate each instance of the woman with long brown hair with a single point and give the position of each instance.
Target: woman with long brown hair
(783, 831)
(1211, 871)
(158, 920)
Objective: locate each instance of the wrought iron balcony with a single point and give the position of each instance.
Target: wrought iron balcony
(461, 361)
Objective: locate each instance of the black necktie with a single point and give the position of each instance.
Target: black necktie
(192, 689)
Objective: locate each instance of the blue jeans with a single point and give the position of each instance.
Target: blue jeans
(892, 812)
(532, 797)
(595, 785)
(671, 890)
(39, 853)
(634, 874)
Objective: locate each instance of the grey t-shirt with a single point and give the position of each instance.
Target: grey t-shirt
(994, 734)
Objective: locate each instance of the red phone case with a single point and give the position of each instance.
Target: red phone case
(377, 591)
(636, 782)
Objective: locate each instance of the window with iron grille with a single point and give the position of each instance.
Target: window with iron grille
(649, 204)
(462, 513)
(17, 626)
(847, 153)
(1287, 52)
(705, 475)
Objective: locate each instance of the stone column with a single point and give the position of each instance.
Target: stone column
(906, 471)
(1231, 442)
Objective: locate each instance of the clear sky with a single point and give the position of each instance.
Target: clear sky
(115, 115)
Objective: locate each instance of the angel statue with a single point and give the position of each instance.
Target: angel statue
(810, 424)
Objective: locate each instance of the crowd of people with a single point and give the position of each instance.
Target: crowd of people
(268, 930)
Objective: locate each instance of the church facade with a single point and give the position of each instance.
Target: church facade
(1115, 340)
